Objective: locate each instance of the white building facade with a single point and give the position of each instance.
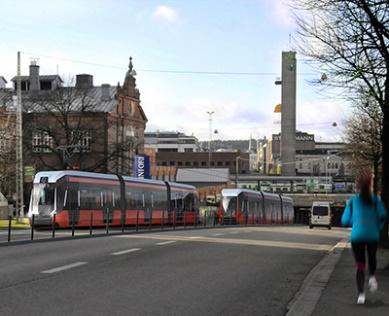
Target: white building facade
(171, 142)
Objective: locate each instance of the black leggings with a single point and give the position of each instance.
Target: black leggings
(359, 254)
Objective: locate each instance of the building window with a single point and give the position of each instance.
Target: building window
(220, 163)
(45, 85)
(172, 163)
(228, 163)
(212, 163)
(188, 150)
(82, 140)
(301, 165)
(203, 163)
(187, 163)
(195, 163)
(179, 163)
(42, 142)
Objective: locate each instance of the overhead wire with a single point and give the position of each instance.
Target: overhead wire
(187, 72)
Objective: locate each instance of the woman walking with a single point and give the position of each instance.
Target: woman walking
(366, 214)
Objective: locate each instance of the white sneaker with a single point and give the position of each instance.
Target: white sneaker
(361, 299)
(373, 286)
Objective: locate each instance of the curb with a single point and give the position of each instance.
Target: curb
(307, 297)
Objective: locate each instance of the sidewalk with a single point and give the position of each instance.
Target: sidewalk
(340, 295)
(14, 224)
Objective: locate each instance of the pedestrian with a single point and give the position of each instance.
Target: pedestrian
(366, 214)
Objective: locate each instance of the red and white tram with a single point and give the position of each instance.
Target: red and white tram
(83, 198)
(243, 206)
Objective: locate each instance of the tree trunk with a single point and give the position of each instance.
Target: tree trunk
(385, 166)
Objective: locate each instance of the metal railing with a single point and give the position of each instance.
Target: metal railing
(86, 226)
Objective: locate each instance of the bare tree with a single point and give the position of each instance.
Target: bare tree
(363, 138)
(349, 41)
(66, 128)
(7, 162)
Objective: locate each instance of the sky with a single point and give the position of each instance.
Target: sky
(191, 37)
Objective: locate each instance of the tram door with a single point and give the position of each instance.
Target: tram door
(107, 205)
(147, 206)
(246, 211)
(73, 204)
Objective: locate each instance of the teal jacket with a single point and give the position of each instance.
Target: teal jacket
(366, 220)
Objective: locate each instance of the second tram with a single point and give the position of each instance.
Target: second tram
(243, 206)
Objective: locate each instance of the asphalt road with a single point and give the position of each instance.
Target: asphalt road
(226, 271)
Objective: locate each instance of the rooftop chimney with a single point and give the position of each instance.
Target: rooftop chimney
(34, 76)
(84, 81)
(105, 95)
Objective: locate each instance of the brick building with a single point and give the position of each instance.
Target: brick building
(192, 160)
(94, 128)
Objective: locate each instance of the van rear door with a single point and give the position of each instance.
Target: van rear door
(321, 215)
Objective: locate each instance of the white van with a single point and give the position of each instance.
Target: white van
(320, 214)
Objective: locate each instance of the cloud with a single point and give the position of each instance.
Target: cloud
(282, 12)
(231, 119)
(317, 117)
(165, 14)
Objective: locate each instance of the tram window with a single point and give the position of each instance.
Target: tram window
(180, 204)
(189, 202)
(107, 199)
(117, 198)
(160, 199)
(60, 196)
(71, 198)
(129, 200)
(134, 199)
(46, 195)
(90, 199)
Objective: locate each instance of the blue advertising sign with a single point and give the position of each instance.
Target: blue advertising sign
(142, 167)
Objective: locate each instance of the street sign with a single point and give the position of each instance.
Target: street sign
(29, 173)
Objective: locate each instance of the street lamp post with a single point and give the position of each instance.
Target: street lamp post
(210, 113)
(236, 170)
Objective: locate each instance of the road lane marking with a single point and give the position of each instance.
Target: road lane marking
(66, 267)
(125, 251)
(195, 237)
(166, 242)
(236, 241)
(234, 232)
(217, 234)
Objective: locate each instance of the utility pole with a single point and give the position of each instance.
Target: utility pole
(210, 138)
(19, 146)
(236, 170)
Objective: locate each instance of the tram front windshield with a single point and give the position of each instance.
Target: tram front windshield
(42, 199)
(229, 205)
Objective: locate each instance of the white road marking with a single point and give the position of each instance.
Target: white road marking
(195, 237)
(166, 242)
(217, 234)
(124, 251)
(235, 241)
(67, 267)
(234, 232)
